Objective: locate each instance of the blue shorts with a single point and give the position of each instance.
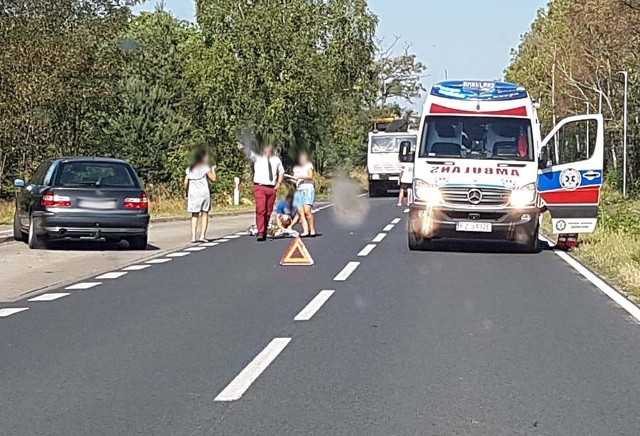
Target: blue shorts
(305, 196)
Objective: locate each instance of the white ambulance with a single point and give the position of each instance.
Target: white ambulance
(484, 172)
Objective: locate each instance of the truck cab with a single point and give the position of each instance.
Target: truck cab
(383, 164)
(483, 171)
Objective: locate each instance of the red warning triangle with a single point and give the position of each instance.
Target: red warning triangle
(296, 254)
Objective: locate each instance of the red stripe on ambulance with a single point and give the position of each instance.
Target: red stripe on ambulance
(588, 195)
(515, 112)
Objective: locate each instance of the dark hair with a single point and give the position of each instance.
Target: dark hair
(289, 196)
(198, 157)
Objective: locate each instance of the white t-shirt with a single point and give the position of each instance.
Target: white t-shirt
(198, 183)
(407, 173)
(304, 170)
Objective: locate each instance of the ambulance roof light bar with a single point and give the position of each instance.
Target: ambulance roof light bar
(479, 91)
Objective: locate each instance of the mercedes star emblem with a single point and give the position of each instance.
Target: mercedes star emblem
(474, 196)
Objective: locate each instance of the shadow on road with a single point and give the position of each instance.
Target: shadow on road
(92, 245)
(480, 247)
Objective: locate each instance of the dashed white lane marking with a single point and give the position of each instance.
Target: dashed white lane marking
(83, 285)
(367, 250)
(136, 267)
(379, 238)
(388, 228)
(222, 240)
(610, 292)
(406, 211)
(346, 272)
(157, 261)
(318, 209)
(209, 244)
(314, 305)
(49, 297)
(195, 249)
(252, 371)
(111, 275)
(11, 310)
(232, 237)
(396, 221)
(242, 233)
(178, 254)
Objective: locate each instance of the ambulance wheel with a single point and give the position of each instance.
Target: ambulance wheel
(415, 242)
(533, 243)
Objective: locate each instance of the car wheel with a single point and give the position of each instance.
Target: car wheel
(33, 240)
(17, 228)
(138, 242)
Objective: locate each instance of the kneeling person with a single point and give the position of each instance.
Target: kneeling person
(286, 213)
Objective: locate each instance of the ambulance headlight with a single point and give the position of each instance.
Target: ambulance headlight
(523, 196)
(426, 193)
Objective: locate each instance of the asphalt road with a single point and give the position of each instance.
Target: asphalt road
(434, 343)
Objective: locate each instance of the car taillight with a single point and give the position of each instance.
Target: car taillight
(141, 202)
(51, 199)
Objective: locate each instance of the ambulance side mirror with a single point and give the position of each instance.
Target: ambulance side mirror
(405, 154)
(543, 159)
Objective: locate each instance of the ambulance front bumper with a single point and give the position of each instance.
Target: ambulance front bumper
(500, 224)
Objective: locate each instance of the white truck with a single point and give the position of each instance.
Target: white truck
(383, 164)
(483, 171)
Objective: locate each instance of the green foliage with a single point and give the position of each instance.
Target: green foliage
(85, 77)
(574, 46)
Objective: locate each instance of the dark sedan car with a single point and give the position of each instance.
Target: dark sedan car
(82, 198)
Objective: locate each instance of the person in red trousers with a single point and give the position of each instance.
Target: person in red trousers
(268, 174)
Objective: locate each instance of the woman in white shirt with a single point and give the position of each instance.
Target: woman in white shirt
(305, 195)
(196, 182)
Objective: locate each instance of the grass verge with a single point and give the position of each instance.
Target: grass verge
(613, 251)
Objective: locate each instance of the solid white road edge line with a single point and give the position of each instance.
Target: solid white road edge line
(596, 281)
(111, 275)
(252, 371)
(49, 297)
(83, 285)
(388, 228)
(314, 305)
(366, 250)
(11, 311)
(326, 206)
(346, 272)
(379, 238)
(396, 221)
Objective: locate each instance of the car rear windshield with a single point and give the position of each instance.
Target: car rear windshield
(97, 174)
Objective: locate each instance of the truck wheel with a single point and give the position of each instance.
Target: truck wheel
(17, 228)
(374, 191)
(33, 240)
(138, 242)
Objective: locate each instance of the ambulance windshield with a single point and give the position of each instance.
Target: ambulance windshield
(491, 138)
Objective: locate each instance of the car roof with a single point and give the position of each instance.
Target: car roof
(89, 159)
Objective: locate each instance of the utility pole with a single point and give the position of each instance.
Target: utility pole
(624, 134)
(588, 135)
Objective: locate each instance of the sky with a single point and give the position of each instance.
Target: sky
(469, 39)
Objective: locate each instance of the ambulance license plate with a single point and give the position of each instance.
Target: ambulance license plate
(473, 227)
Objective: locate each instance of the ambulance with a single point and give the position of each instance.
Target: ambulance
(483, 171)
